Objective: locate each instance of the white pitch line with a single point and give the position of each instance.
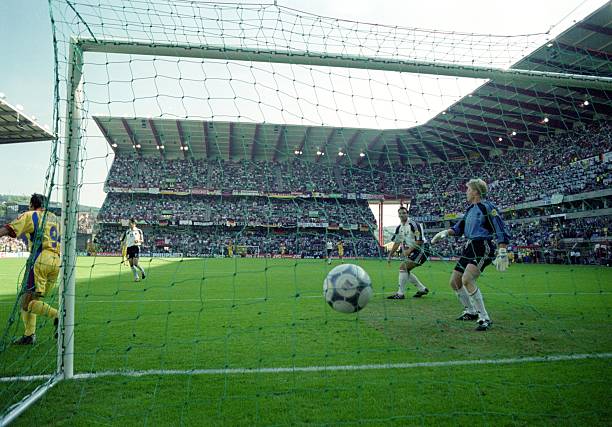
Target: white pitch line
(331, 368)
(132, 301)
(319, 296)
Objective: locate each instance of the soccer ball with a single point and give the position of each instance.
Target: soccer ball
(347, 288)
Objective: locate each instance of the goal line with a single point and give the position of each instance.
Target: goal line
(330, 368)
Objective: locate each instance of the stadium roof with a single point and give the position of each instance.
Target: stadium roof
(16, 127)
(237, 140)
(493, 116)
(495, 111)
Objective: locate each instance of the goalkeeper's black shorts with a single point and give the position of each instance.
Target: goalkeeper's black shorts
(477, 252)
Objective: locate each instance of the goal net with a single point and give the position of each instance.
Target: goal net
(250, 144)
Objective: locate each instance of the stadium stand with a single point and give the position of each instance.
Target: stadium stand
(241, 201)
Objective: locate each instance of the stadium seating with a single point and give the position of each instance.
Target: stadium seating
(568, 164)
(524, 174)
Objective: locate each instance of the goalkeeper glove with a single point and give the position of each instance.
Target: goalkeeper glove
(441, 235)
(501, 261)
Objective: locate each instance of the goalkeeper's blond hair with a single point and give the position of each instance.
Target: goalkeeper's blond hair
(479, 185)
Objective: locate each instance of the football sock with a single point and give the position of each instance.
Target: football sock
(416, 282)
(476, 298)
(403, 279)
(135, 272)
(29, 322)
(42, 309)
(464, 298)
(140, 268)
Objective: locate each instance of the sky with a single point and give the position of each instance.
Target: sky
(26, 72)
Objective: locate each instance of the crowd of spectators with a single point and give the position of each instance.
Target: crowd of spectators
(551, 232)
(537, 241)
(8, 244)
(86, 221)
(550, 240)
(571, 163)
(517, 175)
(586, 228)
(219, 209)
(214, 241)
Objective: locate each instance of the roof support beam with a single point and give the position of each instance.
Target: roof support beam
(349, 146)
(439, 154)
(494, 125)
(184, 146)
(452, 142)
(206, 140)
(279, 142)
(495, 134)
(255, 142)
(562, 68)
(418, 147)
(595, 28)
(328, 141)
(230, 148)
(383, 157)
(474, 137)
(532, 107)
(421, 135)
(601, 94)
(158, 142)
(528, 129)
(590, 53)
(369, 148)
(472, 126)
(304, 140)
(451, 145)
(592, 96)
(530, 119)
(128, 130)
(401, 150)
(548, 96)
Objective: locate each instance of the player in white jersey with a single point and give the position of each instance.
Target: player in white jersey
(409, 236)
(329, 247)
(131, 241)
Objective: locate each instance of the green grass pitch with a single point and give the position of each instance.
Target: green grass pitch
(256, 314)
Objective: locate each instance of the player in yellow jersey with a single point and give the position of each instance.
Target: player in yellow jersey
(230, 249)
(340, 246)
(91, 248)
(45, 264)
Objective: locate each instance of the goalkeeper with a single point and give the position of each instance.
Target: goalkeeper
(480, 224)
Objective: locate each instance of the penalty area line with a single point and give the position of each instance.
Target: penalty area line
(330, 368)
(303, 296)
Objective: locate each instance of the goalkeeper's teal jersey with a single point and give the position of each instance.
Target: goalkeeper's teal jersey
(482, 221)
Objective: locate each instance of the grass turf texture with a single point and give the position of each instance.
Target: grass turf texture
(253, 313)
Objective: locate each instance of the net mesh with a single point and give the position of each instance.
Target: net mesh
(252, 178)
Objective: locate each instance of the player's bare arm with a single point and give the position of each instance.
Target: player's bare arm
(4, 231)
(393, 250)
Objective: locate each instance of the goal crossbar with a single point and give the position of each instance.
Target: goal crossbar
(224, 52)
